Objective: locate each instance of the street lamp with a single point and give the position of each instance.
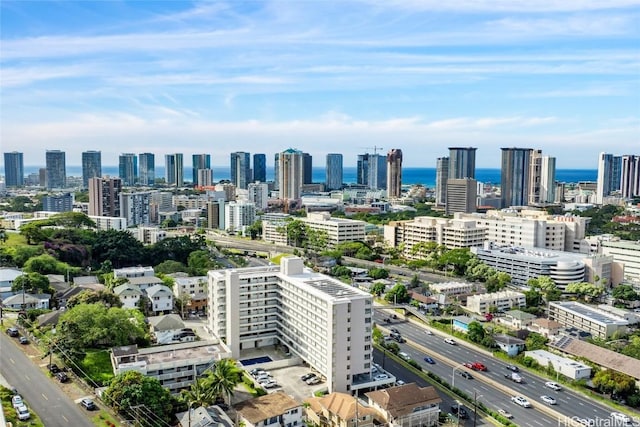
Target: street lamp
(475, 407)
(453, 377)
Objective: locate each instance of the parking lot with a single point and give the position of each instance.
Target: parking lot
(289, 381)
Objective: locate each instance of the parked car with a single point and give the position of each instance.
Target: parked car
(505, 413)
(548, 399)
(257, 371)
(313, 381)
(88, 404)
(513, 368)
(62, 377)
(450, 341)
(429, 360)
(381, 377)
(24, 340)
(307, 376)
(13, 332)
(23, 412)
(16, 401)
(553, 386)
(519, 400)
(271, 384)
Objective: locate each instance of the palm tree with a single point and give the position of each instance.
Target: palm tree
(223, 379)
(199, 394)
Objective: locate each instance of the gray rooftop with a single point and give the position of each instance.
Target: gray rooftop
(591, 313)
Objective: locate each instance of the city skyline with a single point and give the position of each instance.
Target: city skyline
(321, 77)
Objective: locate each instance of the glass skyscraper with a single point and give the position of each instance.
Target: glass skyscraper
(260, 167)
(334, 171)
(147, 169)
(91, 166)
(128, 169)
(240, 169)
(13, 169)
(199, 161)
(174, 169)
(56, 169)
(514, 176)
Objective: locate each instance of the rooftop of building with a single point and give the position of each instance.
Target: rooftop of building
(203, 350)
(535, 254)
(623, 244)
(402, 400)
(590, 313)
(557, 359)
(264, 407)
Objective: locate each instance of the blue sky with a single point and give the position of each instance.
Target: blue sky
(322, 76)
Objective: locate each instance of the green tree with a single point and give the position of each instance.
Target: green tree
(377, 336)
(625, 293)
(585, 290)
(340, 271)
(296, 232)
(73, 220)
(200, 262)
(224, 377)
(119, 247)
(177, 248)
(32, 283)
(109, 299)
(199, 394)
(398, 294)
(170, 266)
(132, 389)
(457, 258)
(608, 381)
(415, 281)
(255, 230)
(98, 326)
(378, 273)
(377, 288)
(23, 253)
(476, 332)
(535, 341)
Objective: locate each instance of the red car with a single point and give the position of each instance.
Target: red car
(468, 365)
(479, 366)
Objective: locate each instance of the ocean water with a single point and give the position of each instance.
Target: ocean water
(424, 176)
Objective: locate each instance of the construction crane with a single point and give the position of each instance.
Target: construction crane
(375, 149)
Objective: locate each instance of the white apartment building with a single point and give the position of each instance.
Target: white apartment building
(625, 252)
(502, 301)
(451, 288)
(258, 193)
(105, 223)
(273, 228)
(598, 323)
(176, 366)
(565, 366)
(136, 208)
(323, 321)
(130, 272)
(189, 202)
(524, 264)
(150, 235)
(161, 298)
(338, 230)
(456, 233)
(531, 229)
(239, 215)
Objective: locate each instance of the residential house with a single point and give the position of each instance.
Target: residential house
(131, 272)
(129, 295)
(49, 319)
(407, 405)
(211, 416)
(495, 301)
(145, 282)
(510, 345)
(27, 301)
(63, 296)
(563, 365)
(196, 289)
(339, 410)
(275, 409)
(161, 298)
(7, 276)
(547, 328)
(516, 319)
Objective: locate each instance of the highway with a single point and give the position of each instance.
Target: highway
(570, 404)
(41, 394)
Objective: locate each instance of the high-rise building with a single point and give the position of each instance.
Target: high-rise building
(147, 169)
(56, 169)
(200, 161)
(135, 207)
(174, 169)
(13, 169)
(442, 174)
(259, 168)
(514, 176)
(258, 193)
(91, 166)
(462, 162)
(334, 171)
(394, 173)
(239, 215)
(240, 169)
(291, 173)
(204, 178)
(104, 196)
(630, 179)
(461, 195)
(372, 171)
(307, 168)
(128, 169)
(542, 176)
(276, 171)
(609, 176)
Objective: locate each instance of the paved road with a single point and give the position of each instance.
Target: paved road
(41, 394)
(570, 404)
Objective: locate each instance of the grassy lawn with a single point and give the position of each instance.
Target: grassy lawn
(97, 365)
(104, 419)
(15, 239)
(10, 413)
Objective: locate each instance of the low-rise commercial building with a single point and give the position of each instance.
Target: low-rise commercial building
(495, 302)
(598, 323)
(563, 365)
(323, 321)
(176, 366)
(451, 288)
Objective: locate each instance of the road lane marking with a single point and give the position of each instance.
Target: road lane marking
(27, 377)
(65, 418)
(12, 361)
(45, 396)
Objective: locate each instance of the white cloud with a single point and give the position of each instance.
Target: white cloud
(492, 6)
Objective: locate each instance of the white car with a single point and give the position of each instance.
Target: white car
(505, 413)
(381, 377)
(620, 418)
(428, 332)
(23, 412)
(553, 386)
(16, 401)
(548, 399)
(404, 356)
(450, 341)
(519, 400)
